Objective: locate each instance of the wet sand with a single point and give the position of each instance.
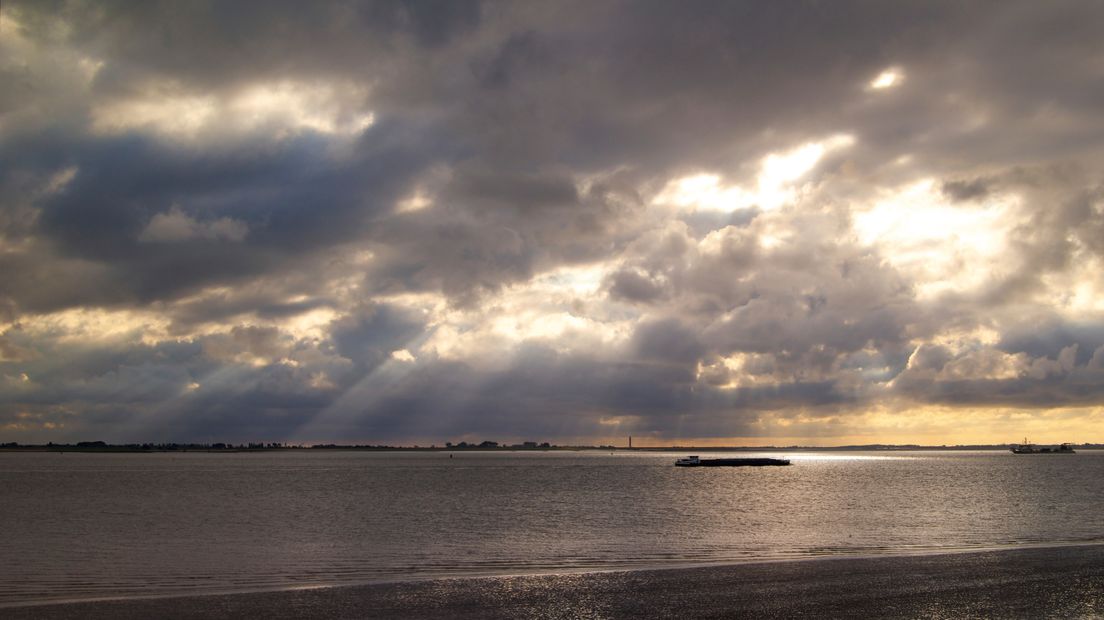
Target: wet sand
(1049, 582)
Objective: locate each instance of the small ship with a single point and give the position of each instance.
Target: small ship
(1030, 448)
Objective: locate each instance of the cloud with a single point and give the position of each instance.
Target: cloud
(178, 226)
(966, 190)
(396, 221)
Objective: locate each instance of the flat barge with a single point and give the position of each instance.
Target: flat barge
(693, 461)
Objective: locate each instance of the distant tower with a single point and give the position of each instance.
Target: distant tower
(630, 441)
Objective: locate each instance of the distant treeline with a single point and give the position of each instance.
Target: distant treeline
(101, 446)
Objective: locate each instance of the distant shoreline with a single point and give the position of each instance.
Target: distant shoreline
(1059, 581)
(161, 448)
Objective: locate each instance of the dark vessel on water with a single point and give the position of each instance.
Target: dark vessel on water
(693, 461)
(1030, 448)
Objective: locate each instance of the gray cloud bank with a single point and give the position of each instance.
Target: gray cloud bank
(387, 221)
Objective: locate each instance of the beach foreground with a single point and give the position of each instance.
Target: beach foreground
(1051, 582)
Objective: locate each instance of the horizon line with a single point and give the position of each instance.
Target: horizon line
(495, 446)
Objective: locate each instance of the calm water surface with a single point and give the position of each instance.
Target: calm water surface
(90, 525)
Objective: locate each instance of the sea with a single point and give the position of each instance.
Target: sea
(80, 526)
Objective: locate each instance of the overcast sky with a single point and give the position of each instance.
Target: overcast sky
(387, 222)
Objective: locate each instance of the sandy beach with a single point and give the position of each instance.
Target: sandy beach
(1049, 582)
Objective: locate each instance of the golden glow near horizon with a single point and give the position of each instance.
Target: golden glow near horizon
(1074, 426)
(928, 425)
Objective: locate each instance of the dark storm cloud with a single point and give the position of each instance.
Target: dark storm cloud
(966, 190)
(370, 336)
(487, 189)
(454, 254)
(1050, 338)
(300, 269)
(172, 389)
(216, 44)
(1041, 382)
(102, 375)
(489, 229)
(633, 285)
(290, 200)
(214, 388)
(266, 303)
(793, 298)
(667, 341)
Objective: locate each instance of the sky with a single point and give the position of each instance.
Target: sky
(738, 223)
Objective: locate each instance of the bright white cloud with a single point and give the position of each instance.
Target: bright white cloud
(167, 109)
(575, 280)
(174, 115)
(1078, 292)
(415, 202)
(942, 246)
(887, 79)
(87, 326)
(301, 106)
(547, 309)
(775, 183)
(313, 324)
(740, 370)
